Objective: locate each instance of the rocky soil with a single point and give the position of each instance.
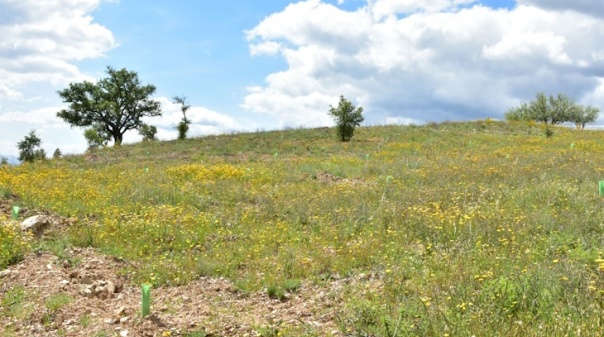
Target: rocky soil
(81, 293)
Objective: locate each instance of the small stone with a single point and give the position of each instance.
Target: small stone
(124, 333)
(111, 287)
(4, 273)
(124, 319)
(86, 291)
(120, 311)
(111, 320)
(35, 223)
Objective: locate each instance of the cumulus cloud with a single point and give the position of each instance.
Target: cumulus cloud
(41, 40)
(40, 45)
(419, 60)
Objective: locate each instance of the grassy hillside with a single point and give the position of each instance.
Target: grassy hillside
(456, 229)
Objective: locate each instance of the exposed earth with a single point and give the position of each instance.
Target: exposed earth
(81, 293)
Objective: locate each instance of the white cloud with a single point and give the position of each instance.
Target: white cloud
(422, 60)
(203, 122)
(41, 39)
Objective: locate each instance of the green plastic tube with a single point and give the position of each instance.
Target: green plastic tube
(146, 299)
(15, 214)
(602, 188)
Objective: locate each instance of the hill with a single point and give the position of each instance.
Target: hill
(480, 228)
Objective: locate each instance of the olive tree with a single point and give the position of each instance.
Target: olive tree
(553, 110)
(111, 106)
(347, 118)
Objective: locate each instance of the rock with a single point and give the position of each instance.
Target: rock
(120, 311)
(86, 291)
(4, 273)
(124, 333)
(111, 320)
(111, 287)
(35, 223)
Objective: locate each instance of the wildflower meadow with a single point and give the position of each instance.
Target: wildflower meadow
(455, 229)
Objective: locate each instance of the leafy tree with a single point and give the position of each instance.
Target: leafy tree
(29, 148)
(183, 126)
(553, 110)
(584, 115)
(112, 106)
(3, 161)
(148, 132)
(347, 118)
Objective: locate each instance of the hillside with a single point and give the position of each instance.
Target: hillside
(480, 228)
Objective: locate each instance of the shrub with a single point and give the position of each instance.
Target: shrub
(148, 132)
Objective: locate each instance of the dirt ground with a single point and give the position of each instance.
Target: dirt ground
(82, 293)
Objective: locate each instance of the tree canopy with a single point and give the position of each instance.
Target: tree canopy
(30, 148)
(111, 106)
(554, 110)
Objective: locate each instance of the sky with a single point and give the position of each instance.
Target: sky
(271, 64)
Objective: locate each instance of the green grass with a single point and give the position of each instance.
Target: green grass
(483, 228)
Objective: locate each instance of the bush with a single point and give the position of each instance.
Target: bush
(148, 132)
(347, 118)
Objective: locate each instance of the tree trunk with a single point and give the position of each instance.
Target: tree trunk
(117, 138)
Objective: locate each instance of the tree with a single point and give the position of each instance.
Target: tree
(148, 132)
(57, 154)
(112, 106)
(347, 118)
(553, 110)
(584, 115)
(183, 126)
(29, 148)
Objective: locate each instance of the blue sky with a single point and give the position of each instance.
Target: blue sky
(247, 66)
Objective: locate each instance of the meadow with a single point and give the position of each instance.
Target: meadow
(455, 229)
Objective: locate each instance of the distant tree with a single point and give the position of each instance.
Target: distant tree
(584, 115)
(520, 113)
(183, 125)
(57, 154)
(29, 148)
(347, 118)
(553, 110)
(112, 106)
(3, 161)
(148, 132)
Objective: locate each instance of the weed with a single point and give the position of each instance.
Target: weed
(57, 301)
